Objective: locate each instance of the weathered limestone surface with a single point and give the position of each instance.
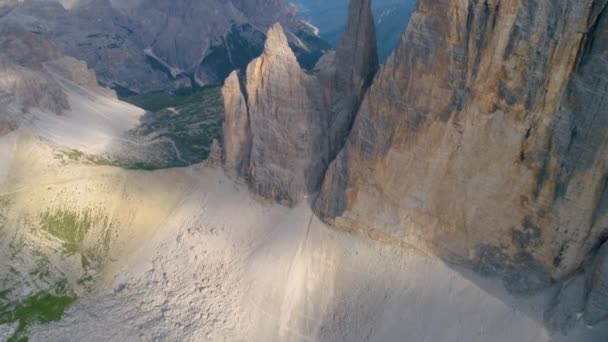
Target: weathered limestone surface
(29, 65)
(274, 129)
(23, 83)
(582, 299)
(356, 62)
(484, 139)
(237, 135)
(284, 125)
(564, 310)
(288, 156)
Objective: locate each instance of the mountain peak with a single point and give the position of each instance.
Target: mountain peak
(276, 41)
(357, 54)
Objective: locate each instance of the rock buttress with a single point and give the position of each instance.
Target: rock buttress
(484, 139)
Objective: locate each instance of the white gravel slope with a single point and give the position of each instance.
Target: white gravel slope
(226, 267)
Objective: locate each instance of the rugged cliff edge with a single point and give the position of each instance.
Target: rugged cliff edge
(483, 139)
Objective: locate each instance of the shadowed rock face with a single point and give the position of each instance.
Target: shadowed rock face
(28, 65)
(484, 139)
(146, 45)
(596, 308)
(275, 139)
(356, 63)
(582, 297)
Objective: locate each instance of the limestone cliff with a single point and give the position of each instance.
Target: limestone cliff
(283, 125)
(275, 139)
(484, 139)
(356, 62)
(237, 137)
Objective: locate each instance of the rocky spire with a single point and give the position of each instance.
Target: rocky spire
(356, 62)
(237, 137)
(273, 131)
(277, 44)
(357, 53)
(297, 122)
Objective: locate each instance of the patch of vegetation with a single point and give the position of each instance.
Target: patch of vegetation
(40, 308)
(38, 292)
(157, 101)
(67, 156)
(68, 227)
(186, 122)
(73, 228)
(177, 130)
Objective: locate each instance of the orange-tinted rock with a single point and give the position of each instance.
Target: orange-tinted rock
(484, 139)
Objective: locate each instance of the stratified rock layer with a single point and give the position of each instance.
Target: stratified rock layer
(484, 139)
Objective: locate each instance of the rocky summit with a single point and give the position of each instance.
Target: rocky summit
(483, 139)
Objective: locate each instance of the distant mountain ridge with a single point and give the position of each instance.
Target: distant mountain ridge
(146, 45)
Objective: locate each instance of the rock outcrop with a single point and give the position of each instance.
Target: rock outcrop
(24, 83)
(283, 125)
(237, 135)
(274, 129)
(484, 139)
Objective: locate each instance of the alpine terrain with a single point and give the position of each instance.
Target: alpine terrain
(215, 171)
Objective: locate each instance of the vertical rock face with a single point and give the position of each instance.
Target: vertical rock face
(484, 139)
(284, 125)
(287, 153)
(237, 136)
(281, 151)
(596, 308)
(356, 62)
